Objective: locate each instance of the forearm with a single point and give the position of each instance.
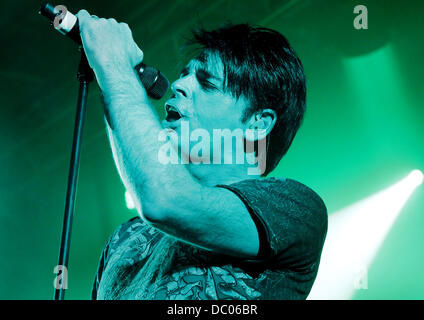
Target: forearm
(133, 125)
(133, 128)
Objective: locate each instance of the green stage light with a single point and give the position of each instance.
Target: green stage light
(354, 236)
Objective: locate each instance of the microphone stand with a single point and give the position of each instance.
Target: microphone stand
(85, 76)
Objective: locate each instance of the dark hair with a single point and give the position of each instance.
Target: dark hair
(260, 65)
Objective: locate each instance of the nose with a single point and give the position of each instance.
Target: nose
(180, 91)
(182, 87)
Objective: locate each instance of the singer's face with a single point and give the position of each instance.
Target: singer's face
(200, 100)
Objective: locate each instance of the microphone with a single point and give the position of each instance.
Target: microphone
(155, 83)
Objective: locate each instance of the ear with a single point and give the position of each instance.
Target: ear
(260, 124)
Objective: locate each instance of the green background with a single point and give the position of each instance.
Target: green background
(362, 132)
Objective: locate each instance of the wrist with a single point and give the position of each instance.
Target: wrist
(122, 84)
(111, 74)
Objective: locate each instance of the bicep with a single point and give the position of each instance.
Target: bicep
(212, 218)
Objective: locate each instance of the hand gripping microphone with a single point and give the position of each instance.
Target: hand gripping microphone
(155, 83)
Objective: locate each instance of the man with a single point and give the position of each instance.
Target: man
(207, 229)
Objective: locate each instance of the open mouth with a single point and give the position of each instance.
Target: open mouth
(172, 113)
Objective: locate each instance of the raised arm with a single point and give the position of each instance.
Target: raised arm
(166, 196)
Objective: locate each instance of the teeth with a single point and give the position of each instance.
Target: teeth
(172, 113)
(171, 108)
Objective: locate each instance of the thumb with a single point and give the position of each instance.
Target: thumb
(83, 16)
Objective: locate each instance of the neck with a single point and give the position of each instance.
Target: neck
(212, 174)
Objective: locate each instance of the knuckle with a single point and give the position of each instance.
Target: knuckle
(125, 27)
(82, 16)
(82, 12)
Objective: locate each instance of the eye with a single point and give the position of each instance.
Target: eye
(207, 85)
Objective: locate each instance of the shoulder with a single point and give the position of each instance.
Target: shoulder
(301, 195)
(291, 216)
(280, 192)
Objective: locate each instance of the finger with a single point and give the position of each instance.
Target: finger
(126, 28)
(83, 18)
(138, 55)
(83, 15)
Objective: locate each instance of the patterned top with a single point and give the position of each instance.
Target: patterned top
(292, 225)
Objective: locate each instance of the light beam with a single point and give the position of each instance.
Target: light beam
(354, 236)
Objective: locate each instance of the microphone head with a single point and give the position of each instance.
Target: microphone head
(155, 83)
(159, 88)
